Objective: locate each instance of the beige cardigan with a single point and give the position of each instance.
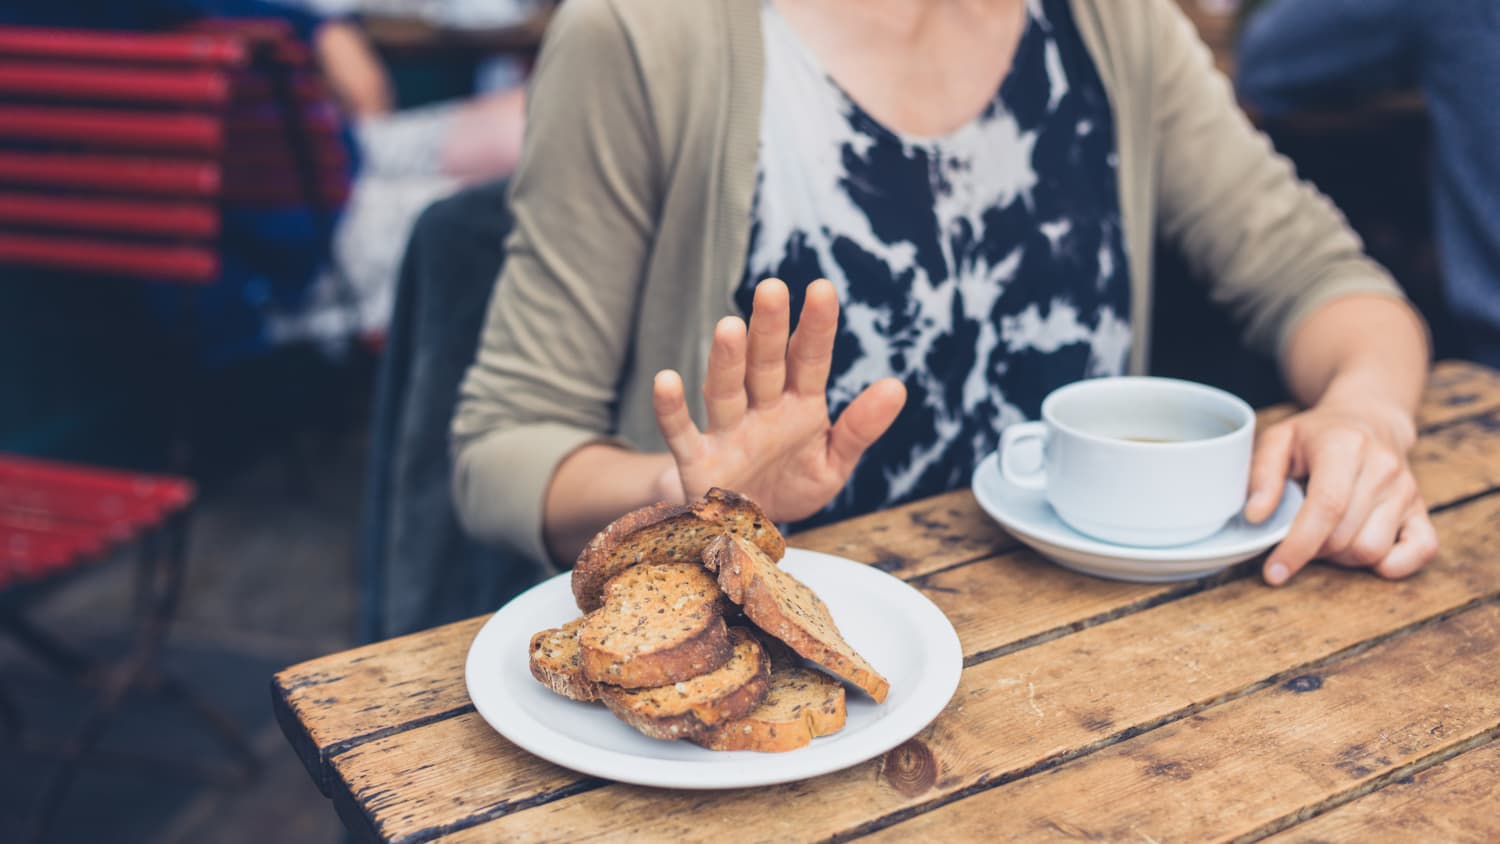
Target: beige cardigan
(632, 213)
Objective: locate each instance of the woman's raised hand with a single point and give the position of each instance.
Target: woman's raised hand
(769, 436)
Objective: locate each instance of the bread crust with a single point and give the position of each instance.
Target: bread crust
(608, 553)
(787, 609)
(659, 624)
(666, 533)
(691, 708)
(556, 662)
(803, 703)
(743, 518)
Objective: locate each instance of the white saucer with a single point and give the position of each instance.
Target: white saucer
(1026, 514)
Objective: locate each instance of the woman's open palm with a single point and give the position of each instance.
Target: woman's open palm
(769, 435)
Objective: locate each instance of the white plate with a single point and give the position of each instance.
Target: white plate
(903, 634)
(1026, 514)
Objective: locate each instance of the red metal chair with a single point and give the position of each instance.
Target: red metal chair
(119, 154)
(120, 151)
(57, 519)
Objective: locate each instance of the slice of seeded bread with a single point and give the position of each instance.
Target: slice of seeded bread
(802, 704)
(784, 607)
(659, 624)
(668, 533)
(688, 708)
(556, 661)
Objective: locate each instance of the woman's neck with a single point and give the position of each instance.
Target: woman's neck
(911, 21)
(921, 67)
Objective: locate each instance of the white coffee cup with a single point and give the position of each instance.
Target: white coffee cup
(1137, 460)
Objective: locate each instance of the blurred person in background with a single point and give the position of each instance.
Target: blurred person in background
(978, 187)
(408, 159)
(1302, 55)
(495, 72)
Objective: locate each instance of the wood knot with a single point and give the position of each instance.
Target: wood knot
(1305, 683)
(1096, 722)
(1170, 770)
(910, 769)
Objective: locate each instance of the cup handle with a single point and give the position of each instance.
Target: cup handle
(1014, 435)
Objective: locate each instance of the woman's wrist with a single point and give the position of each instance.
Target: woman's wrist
(1373, 399)
(668, 485)
(595, 485)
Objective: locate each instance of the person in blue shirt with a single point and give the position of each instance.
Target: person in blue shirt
(1296, 55)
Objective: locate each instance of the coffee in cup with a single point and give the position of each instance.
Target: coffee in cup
(1137, 460)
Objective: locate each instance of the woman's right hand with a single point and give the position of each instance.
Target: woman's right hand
(769, 436)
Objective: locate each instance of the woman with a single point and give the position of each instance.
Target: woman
(981, 182)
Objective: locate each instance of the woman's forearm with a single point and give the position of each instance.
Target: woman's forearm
(592, 487)
(1364, 351)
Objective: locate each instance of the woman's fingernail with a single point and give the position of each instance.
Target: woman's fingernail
(1276, 573)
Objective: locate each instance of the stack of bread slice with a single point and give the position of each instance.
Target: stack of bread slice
(692, 631)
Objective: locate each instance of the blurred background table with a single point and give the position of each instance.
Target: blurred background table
(412, 36)
(1340, 707)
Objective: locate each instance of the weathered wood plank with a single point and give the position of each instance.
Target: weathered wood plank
(377, 777)
(325, 704)
(914, 538)
(1456, 460)
(1458, 800)
(1250, 764)
(1457, 389)
(1019, 600)
(1066, 697)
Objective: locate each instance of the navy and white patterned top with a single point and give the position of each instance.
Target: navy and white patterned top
(983, 268)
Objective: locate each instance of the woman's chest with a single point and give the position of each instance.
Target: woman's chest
(1036, 165)
(998, 240)
(925, 79)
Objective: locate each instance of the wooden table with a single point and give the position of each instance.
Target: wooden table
(1342, 707)
(405, 36)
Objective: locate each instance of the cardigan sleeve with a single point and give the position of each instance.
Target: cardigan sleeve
(1272, 248)
(557, 333)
